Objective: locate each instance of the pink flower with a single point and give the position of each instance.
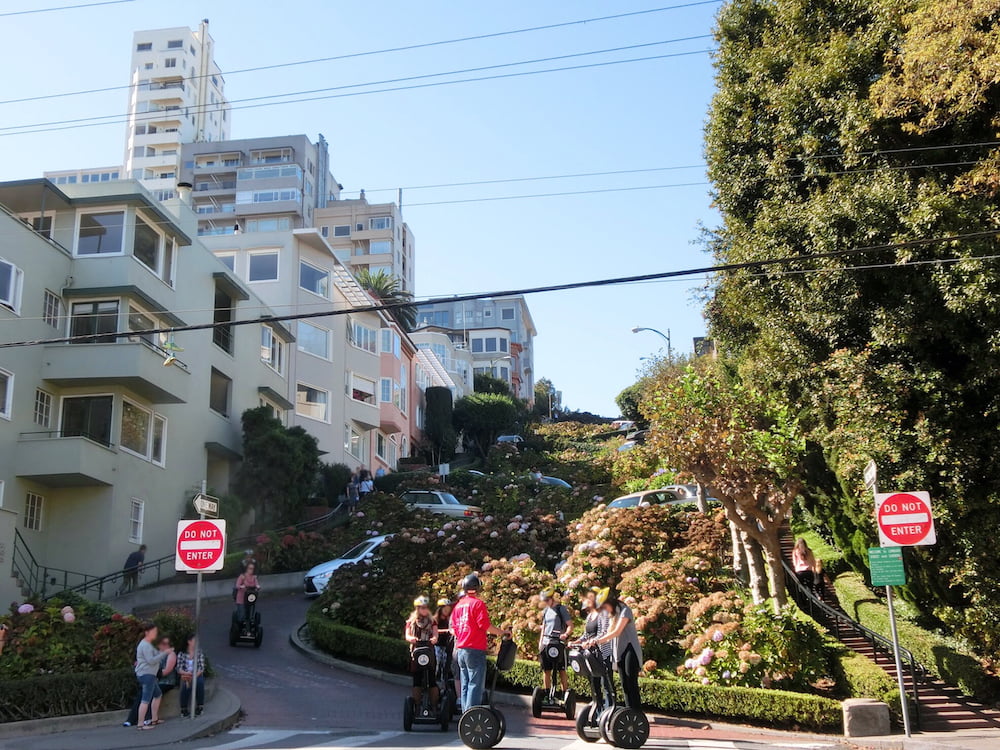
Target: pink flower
(718, 636)
(69, 617)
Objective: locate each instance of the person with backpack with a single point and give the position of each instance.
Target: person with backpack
(557, 625)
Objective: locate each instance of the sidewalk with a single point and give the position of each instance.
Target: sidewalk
(104, 731)
(966, 739)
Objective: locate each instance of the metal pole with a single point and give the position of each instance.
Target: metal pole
(197, 625)
(899, 662)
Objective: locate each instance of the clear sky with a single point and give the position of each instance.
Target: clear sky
(636, 115)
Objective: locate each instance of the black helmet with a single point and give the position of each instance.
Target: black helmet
(471, 582)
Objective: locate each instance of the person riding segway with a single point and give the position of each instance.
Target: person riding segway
(445, 654)
(594, 662)
(245, 626)
(557, 625)
(424, 706)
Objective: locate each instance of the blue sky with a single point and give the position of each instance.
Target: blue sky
(630, 116)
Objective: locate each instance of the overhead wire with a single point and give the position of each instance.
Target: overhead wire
(595, 283)
(32, 11)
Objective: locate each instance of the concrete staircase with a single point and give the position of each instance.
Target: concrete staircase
(939, 707)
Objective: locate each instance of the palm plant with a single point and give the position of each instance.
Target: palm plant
(387, 290)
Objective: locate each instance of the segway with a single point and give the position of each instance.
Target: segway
(589, 664)
(551, 700)
(483, 727)
(426, 712)
(446, 678)
(249, 630)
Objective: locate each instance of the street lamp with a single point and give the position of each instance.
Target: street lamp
(664, 336)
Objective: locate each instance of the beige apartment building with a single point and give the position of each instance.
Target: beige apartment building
(105, 440)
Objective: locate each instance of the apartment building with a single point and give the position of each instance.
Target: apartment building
(258, 184)
(335, 373)
(84, 176)
(104, 440)
(176, 96)
(498, 332)
(372, 236)
(395, 435)
(452, 362)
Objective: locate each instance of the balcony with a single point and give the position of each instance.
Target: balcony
(365, 414)
(56, 461)
(216, 185)
(164, 85)
(136, 365)
(391, 419)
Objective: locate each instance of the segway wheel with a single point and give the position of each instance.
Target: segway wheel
(256, 619)
(604, 724)
(234, 633)
(585, 728)
(259, 637)
(480, 727)
(503, 725)
(569, 705)
(628, 729)
(445, 712)
(408, 711)
(537, 701)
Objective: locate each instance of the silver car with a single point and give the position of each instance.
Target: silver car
(318, 576)
(442, 503)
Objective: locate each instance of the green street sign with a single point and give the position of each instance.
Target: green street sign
(886, 565)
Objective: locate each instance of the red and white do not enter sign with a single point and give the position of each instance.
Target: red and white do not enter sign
(201, 545)
(904, 519)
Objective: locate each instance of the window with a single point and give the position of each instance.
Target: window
(1, 492)
(343, 230)
(52, 309)
(43, 408)
(314, 280)
(148, 66)
(263, 266)
(135, 514)
(143, 46)
(147, 245)
(404, 386)
(503, 344)
(272, 349)
(324, 231)
(312, 402)
(170, 62)
(385, 390)
(219, 392)
(101, 233)
(487, 313)
(6, 393)
(380, 247)
(477, 346)
(98, 319)
(87, 416)
(276, 411)
(380, 445)
(135, 429)
(158, 449)
(279, 224)
(356, 443)
(364, 338)
(40, 224)
(175, 44)
(391, 342)
(362, 389)
(222, 335)
(313, 339)
(267, 196)
(491, 343)
(507, 313)
(505, 374)
(229, 261)
(11, 282)
(439, 318)
(380, 222)
(33, 511)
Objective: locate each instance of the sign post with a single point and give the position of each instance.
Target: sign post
(201, 546)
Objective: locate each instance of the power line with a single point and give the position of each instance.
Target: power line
(352, 55)
(556, 195)
(210, 107)
(387, 307)
(59, 7)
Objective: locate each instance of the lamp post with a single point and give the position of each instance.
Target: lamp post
(661, 334)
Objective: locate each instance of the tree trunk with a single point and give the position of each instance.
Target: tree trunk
(775, 570)
(739, 554)
(702, 498)
(756, 568)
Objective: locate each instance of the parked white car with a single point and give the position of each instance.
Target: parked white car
(319, 576)
(442, 503)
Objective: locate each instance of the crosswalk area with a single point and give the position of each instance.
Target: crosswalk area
(290, 739)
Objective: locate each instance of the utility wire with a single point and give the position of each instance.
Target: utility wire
(8, 13)
(387, 307)
(210, 107)
(352, 55)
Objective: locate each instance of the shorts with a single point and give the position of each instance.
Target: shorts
(150, 688)
(553, 657)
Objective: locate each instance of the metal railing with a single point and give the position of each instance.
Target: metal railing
(59, 434)
(41, 579)
(841, 623)
(152, 572)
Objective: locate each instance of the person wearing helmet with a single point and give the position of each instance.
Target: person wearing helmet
(470, 624)
(597, 622)
(557, 625)
(625, 647)
(422, 634)
(446, 644)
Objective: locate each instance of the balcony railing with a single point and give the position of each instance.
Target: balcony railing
(166, 85)
(54, 434)
(220, 185)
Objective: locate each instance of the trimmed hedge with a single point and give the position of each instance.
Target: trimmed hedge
(53, 695)
(962, 670)
(859, 677)
(770, 707)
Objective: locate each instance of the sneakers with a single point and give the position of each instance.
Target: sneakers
(199, 711)
(186, 714)
(126, 723)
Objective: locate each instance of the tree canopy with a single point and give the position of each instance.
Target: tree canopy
(388, 289)
(485, 383)
(483, 417)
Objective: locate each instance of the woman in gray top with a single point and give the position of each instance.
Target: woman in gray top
(147, 664)
(624, 640)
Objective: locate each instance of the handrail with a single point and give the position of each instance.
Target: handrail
(114, 584)
(808, 601)
(37, 578)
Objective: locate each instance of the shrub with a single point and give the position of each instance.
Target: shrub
(52, 695)
(354, 643)
(859, 677)
(934, 651)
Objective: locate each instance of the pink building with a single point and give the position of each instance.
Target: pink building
(397, 398)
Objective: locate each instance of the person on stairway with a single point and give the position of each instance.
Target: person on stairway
(808, 568)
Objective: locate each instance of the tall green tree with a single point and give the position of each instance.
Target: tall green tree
(439, 430)
(483, 417)
(388, 289)
(484, 383)
(279, 470)
(832, 129)
(548, 399)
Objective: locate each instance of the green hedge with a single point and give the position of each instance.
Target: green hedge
(962, 670)
(770, 707)
(53, 695)
(859, 677)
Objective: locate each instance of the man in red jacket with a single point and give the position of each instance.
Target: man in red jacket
(470, 624)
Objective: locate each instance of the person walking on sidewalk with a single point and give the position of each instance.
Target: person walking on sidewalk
(147, 665)
(470, 624)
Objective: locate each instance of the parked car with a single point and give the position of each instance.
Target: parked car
(556, 482)
(515, 439)
(443, 503)
(477, 473)
(649, 497)
(627, 446)
(318, 576)
(639, 436)
(623, 424)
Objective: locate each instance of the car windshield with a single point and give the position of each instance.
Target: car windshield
(625, 502)
(448, 499)
(356, 551)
